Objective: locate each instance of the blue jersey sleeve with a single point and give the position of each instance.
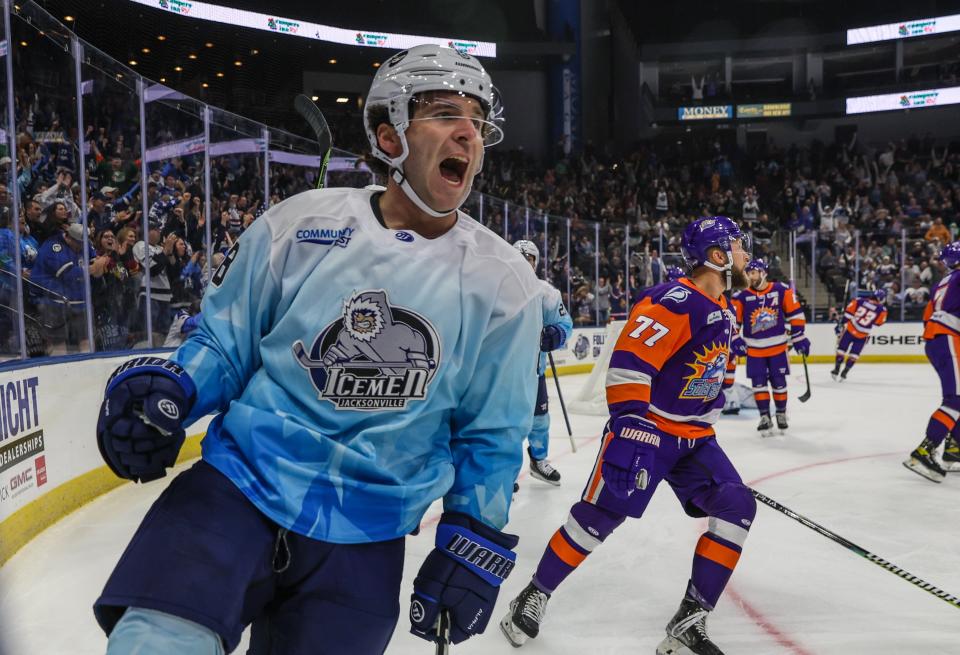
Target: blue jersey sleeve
(238, 307)
(493, 418)
(554, 313)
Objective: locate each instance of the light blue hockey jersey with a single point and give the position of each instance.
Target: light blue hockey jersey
(361, 372)
(554, 313)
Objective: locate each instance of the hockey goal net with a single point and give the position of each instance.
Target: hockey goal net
(592, 398)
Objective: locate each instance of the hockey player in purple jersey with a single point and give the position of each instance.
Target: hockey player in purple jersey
(941, 321)
(859, 319)
(663, 392)
(766, 312)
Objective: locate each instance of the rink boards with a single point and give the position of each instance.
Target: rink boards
(50, 465)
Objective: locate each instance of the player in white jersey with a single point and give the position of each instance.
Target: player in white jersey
(365, 352)
(557, 327)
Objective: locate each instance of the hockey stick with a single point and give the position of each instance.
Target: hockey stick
(862, 552)
(314, 117)
(566, 418)
(443, 633)
(806, 374)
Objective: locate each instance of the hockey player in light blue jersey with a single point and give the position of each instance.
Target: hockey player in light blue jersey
(365, 352)
(557, 327)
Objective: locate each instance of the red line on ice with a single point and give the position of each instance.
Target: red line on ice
(756, 615)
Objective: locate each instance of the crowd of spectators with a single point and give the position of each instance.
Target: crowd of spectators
(904, 191)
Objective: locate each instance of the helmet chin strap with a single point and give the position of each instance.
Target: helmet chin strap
(726, 268)
(401, 179)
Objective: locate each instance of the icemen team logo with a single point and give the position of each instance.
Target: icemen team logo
(708, 369)
(582, 347)
(375, 356)
(763, 318)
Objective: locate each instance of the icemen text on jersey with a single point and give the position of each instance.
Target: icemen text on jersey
(670, 359)
(363, 372)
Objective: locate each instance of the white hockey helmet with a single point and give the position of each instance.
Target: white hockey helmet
(528, 249)
(421, 69)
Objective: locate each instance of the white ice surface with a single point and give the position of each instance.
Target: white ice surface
(794, 591)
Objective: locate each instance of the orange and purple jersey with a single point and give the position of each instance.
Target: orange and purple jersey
(862, 315)
(942, 315)
(764, 315)
(668, 363)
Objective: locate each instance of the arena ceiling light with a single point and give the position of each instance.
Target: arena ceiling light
(316, 31)
(904, 29)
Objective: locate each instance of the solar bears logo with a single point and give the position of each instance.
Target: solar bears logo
(708, 369)
(374, 357)
(763, 318)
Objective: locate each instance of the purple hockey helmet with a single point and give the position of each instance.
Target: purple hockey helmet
(879, 295)
(711, 232)
(950, 254)
(757, 265)
(674, 273)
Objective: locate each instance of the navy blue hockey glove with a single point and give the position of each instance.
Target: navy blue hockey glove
(462, 575)
(140, 429)
(629, 457)
(550, 338)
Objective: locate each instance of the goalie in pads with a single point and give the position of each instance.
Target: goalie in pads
(663, 393)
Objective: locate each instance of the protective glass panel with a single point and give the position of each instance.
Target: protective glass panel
(111, 113)
(176, 221)
(47, 132)
(583, 272)
(14, 237)
(294, 165)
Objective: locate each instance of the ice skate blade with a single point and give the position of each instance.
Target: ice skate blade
(535, 474)
(671, 646)
(922, 470)
(514, 635)
(766, 433)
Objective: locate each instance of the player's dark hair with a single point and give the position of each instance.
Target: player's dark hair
(377, 114)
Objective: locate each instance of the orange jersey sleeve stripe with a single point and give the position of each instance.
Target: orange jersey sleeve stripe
(620, 393)
(715, 552)
(738, 309)
(790, 304)
(567, 554)
(767, 352)
(651, 344)
(678, 429)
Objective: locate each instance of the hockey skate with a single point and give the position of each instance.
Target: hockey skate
(951, 456)
(922, 462)
(843, 376)
(687, 632)
(526, 613)
(541, 469)
(766, 426)
(835, 373)
(782, 422)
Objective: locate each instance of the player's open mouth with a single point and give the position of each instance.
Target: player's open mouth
(454, 169)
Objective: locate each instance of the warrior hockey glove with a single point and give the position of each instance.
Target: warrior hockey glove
(140, 429)
(462, 574)
(550, 338)
(629, 457)
(801, 344)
